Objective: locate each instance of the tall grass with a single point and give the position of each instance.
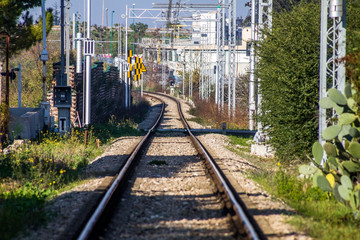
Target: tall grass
(319, 214)
(208, 113)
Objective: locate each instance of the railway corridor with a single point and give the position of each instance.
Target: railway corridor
(170, 197)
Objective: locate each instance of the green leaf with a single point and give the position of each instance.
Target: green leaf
(347, 91)
(344, 193)
(326, 103)
(345, 130)
(354, 149)
(332, 161)
(346, 182)
(307, 169)
(347, 118)
(317, 151)
(336, 192)
(336, 96)
(352, 104)
(343, 171)
(315, 178)
(351, 166)
(330, 149)
(331, 132)
(339, 109)
(357, 196)
(353, 132)
(323, 183)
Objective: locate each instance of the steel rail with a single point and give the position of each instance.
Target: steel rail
(100, 209)
(238, 206)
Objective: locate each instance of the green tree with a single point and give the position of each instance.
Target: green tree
(288, 69)
(352, 45)
(23, 33)
(139, 29)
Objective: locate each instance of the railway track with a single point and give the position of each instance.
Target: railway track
(170, 195)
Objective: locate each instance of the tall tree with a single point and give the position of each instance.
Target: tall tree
(16, 21)
(139, 29)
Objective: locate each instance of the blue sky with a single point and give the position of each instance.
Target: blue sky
(119, 7)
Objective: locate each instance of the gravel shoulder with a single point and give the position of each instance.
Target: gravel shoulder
(271, 214)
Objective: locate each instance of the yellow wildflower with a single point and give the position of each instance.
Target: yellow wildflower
(331, 179)
(31, 160)
(53, 182)
(278, 163)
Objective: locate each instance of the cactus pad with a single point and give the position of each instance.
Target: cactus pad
(317, 152)
(354, 149)
(347, 118)
(331, 132)
(336, 96)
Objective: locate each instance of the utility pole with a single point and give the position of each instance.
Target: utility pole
(127, 102)
(232, 47)
(19, 86)
(103, 13)
(332, 39)
(88, 70)
(74, 32)
(62, 41)
(44, 56)
(112, 14)
(67, 33)
(133, 30)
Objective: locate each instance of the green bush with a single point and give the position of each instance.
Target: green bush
(288, 68)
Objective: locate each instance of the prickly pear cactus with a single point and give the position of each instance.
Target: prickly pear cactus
(340, 174)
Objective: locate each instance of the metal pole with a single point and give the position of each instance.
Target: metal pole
(44, 52)
(342, 50)
(252, 70)
(323, 59)
(234, 59)
(119, 42)
(217, 57)
(126, 52)
(7, 84)
(183, 83)
(112, 14)
(78, 53)
(103, 13)
(222, 49)
(74, 32)
(62, 42)
(19, 86)
(133, 30)
(88, 69)
(67, 29)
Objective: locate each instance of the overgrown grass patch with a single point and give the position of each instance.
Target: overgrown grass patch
(240, 144)
(319, 214)
(38, 170)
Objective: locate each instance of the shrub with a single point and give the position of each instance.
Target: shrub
(288, 68)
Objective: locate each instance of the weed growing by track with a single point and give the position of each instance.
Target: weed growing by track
(38, 170)
(319, 214)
